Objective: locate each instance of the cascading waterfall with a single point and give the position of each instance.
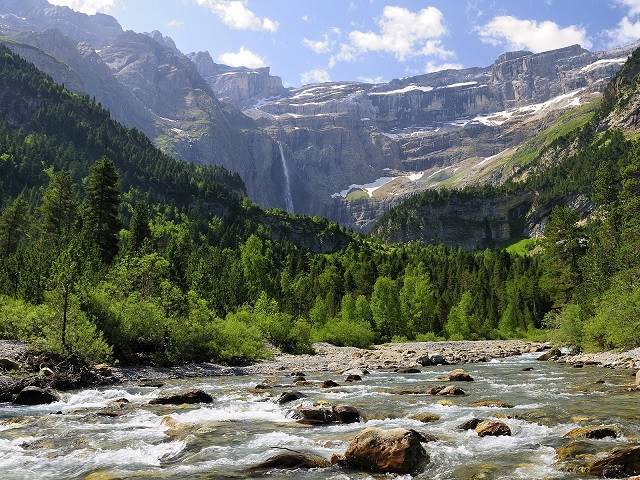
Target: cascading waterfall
(288, 199)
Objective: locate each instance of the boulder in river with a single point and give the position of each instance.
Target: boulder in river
(192, 397)
(329, 384)
(527, 369)
(387, 451)
(291, 461)
(425, 417)
(491, 428)
(491, 403)
(432, 360)
(451, 390)
(553, 353)
(619, 463)
(353, 378)
(297, 374)
(299, 378)
(35, 396)
(323, 415)
(287, 397)
(470, 424)
(594, 433)
(459, 375)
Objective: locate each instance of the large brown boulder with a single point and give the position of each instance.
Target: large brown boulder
(387, 451)
(619, 463)
(425, 417)
(459, 375)
(329, 384)
(470, 424)
(291, 461)
(594, 433)
(553, 353)
(287, 397)
(490, 428)
(451, 390)
(347, 414)
(192, 397)
(35, 396)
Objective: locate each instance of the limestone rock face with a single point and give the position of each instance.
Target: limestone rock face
(387, 451)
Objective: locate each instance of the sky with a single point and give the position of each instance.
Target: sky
(309, 41)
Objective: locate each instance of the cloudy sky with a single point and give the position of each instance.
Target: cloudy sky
(307, 41)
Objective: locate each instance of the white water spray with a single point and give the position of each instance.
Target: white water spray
(288, 199)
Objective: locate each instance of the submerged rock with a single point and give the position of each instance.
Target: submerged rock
(594, 433)
(459, 375)
(353, 378)
(425, 417)
(292, 461)
(192, 397)
(287, 397)
(491, 403)
(408, 370)
(387, 451)
(574, 450)
(490, 428)
(35, 396)
(619, 463)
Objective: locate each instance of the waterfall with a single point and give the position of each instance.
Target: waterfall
(288, 199)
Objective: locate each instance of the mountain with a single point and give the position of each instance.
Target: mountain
(574, 161)
(348, 151)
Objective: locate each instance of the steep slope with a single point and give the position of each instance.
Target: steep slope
(147, 83)
(564, 170)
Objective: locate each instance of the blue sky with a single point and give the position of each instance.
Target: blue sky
(319, 40)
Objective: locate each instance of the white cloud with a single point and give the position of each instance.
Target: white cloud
(175, 23)
(242, 58)
(236, 14)
(316, 75)
(90, 7)
(305, 18)
(628, 29)
(514, 33)
(402, 32)
(431, 67)
(318, 46)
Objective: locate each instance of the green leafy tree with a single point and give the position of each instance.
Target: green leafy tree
(59, 209)
(417, 301)
(385, 306)
(461, 320)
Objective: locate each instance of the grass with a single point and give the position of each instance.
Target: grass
(522, 247)
(357, 195)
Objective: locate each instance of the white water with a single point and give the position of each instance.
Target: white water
(288, 199)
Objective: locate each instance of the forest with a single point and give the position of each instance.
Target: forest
(111, 250)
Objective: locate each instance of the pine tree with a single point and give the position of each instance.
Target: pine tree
(102, 202)
(139, 229)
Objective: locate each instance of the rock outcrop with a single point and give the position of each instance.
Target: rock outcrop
(35, 396)
(192, 397)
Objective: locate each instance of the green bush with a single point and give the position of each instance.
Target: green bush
(238, 341)
(346, 334)
(429, 337)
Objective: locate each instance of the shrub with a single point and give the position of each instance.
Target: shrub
(428, 337)
(238, 341)
(346, 334)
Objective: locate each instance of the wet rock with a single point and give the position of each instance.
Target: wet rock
(302, 383)
(329, 384)
(322, 415)
(490, 428)
(470, 424)
(551, 354)
(594, 433)
(425, 417)
(387, 451)
(263, 386)
(527, 369)
(287, 397)
(347, 414)
(192, 397)
(353, 378)
(7, 364)
(491, 403)
(297, 374)
(619, 463)
(575, 450)
(459, 375)
(299, 379)
(408, 370)
(152, 384)
(432, 360)
(366, 372)
(292, 461)
(451, 390)
(35, 396)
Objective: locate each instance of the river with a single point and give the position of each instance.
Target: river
(242, 426)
